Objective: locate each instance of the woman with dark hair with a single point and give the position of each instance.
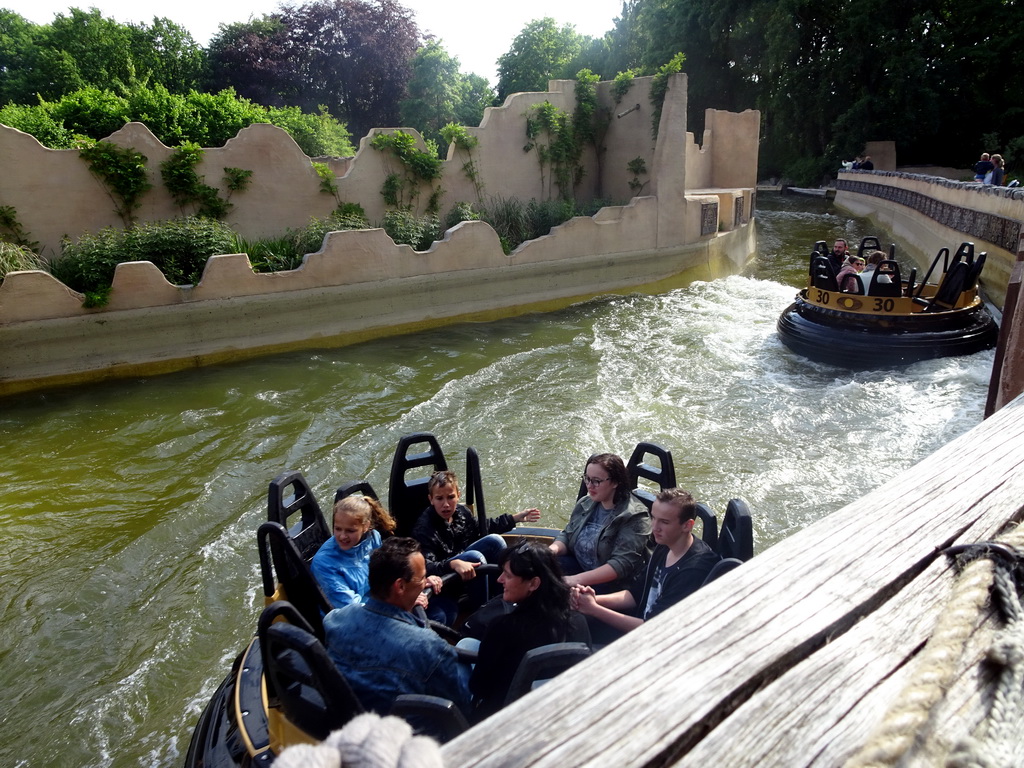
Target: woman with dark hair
(531, 579)
(605, 542)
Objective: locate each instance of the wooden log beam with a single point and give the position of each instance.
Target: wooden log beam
(795, 657)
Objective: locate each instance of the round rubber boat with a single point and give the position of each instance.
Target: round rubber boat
(890, 323)
(864, 340)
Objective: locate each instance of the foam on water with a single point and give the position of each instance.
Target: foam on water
(130, 509)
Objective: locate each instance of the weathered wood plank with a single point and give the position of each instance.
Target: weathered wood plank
(791, 659)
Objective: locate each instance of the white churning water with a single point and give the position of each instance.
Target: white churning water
(130, 509)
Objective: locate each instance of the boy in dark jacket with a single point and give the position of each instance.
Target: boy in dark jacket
(449, 537)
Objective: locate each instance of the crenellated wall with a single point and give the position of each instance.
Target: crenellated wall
(932, 212)
(360, 284)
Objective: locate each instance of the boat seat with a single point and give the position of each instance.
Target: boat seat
(474, 490)
(407, 498)
(709, 526)
(893, 288)
(974, 272)
(723, 566)
(823, 274)
(736, 539)
(639, 466)
(949, 291)
(282, 564)
(355, 488)
(301, 679)
(869, 243)
(290, 494)
(430, 715)
(543, 663)
(313, 694)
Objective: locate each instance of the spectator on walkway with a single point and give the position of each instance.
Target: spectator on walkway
(983, 167)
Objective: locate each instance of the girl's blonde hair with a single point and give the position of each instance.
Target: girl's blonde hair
(367, 510)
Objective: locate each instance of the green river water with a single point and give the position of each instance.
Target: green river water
(129, 509)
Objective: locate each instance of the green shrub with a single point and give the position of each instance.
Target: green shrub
(546, 214)
(91, 112)
(208, 119)
(14, 258)
(418, 231)
(310, 238)
(37, 121)
(460, 212)
(316, 135)
(179, 248)
(509, 218)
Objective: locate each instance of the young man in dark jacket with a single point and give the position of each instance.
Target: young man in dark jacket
(680, 564)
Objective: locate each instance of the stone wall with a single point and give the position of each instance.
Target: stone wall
(932, 213)
(55, 195)
(360, 284)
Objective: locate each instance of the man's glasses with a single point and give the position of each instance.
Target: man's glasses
(594, 480)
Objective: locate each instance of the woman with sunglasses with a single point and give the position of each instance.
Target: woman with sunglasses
(531, 580)
(605, 542)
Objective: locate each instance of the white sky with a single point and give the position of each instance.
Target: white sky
(477, 40)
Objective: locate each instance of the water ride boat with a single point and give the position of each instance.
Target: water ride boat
(284, 689)
(888, 320)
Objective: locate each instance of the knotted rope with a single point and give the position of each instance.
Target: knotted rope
(987, 564)
(367, 741)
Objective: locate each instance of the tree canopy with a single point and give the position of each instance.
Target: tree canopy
(542, 51)
(439, 93)
(937, 77)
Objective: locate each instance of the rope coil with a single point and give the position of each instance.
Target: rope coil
(366, 741)
(987, 566)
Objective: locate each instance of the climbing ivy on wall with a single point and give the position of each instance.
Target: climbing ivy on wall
(659, 88)
(402, 189)
(189, 188)
(622, 83)
(465, 143)
(567, 135)
(123, 173)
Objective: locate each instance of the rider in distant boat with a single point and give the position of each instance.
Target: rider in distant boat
(840, 251)
(847, 277)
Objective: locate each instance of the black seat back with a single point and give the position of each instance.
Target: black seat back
(974, 272)
(430, 715)
(289, 494)
(868, 243)
(662, 473)
(823, 274)
(938, 267)
(723, 566)
(282, 565)
(911, 281)
(709, 526)
(407, 494)
(300, 677)
(543, 663)
(474, 493)
(952, 286)
(736, 539)
(355, 488)
(893, 288)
